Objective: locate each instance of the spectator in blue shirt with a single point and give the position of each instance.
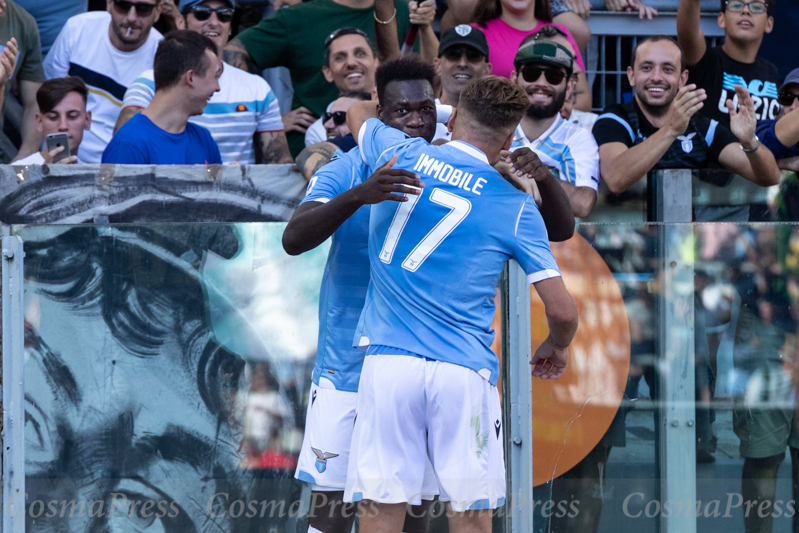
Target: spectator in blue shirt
(186, 71)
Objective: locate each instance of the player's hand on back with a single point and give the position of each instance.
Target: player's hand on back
(388, 183)
(526, 164)
(549, 361)
(688, 101)
(743, 122)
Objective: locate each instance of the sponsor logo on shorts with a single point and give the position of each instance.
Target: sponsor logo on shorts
(313, 398)
(321, 459)
(497, 426)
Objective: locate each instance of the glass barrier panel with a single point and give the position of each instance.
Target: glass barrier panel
(167, 374)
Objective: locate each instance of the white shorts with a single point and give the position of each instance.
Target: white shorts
(411, 407)
(329, 421)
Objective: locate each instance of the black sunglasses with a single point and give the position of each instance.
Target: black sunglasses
(786, 99)
(339, 117)
(143, 10)
(455, 53)
(203, 13)
(553, 75)
(547, 32)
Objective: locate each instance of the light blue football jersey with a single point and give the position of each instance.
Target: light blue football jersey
(436, 259)
(338, 364)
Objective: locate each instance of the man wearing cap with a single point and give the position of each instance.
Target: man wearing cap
(462, 57)
(543, 68)
(660, 127)
(244, 116)
(782, 135)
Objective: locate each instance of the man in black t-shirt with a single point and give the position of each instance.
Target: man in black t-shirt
(661, 128)
(717, 70)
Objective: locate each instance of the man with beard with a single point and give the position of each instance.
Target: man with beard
(544, 71)
(462, 57)
(661, 127)
(107, 50)
(338, 204)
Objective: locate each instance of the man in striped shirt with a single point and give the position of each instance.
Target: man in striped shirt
(244, 116)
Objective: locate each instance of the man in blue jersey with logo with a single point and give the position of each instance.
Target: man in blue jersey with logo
(337, 204)
(428, 383)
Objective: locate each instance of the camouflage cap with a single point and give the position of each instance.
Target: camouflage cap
(544, 51)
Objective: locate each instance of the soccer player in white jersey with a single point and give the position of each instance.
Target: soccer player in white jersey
(337, 204)
(543, 68)
(428, 383)
(243, 115)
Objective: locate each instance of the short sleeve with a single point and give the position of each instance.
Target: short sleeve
(123, 153)
(586, 160)
(269, 118)
(266, 41)
(140, 93)
(56, 64)
(30, 68)
(376, 140)
(331, 180)
(214, 157)
(718, 137)
(611, 126)
(767, 135)
(531, 249)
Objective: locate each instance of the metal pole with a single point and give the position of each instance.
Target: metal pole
(13, 431)
(677, 429)
(517, 401)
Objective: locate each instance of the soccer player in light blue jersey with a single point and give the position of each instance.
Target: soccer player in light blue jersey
(428, 383)
(337, 204)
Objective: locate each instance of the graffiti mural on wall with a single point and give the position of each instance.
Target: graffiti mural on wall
(161, 395)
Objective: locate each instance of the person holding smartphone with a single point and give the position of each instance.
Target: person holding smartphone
(61, 121)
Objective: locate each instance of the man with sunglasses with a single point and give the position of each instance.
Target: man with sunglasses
(462, 57)
(717, 70)
(335, 120)
(244, 116)
(782, 136)
(107, 50)
(543, 68)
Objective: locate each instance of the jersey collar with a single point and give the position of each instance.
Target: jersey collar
(534, 144)
(469, 149)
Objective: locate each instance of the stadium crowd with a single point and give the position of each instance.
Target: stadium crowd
(505, 76)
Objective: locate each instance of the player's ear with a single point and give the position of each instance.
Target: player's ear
(451, 121)
(508, 141)
(380, 112)
(631, 76)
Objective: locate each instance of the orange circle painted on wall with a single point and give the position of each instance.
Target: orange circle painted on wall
(572, 413)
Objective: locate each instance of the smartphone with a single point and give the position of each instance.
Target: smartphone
(54, 140)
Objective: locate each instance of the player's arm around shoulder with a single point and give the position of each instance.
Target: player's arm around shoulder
(324, 212)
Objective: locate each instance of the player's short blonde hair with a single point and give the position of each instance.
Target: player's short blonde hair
(494, 102)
